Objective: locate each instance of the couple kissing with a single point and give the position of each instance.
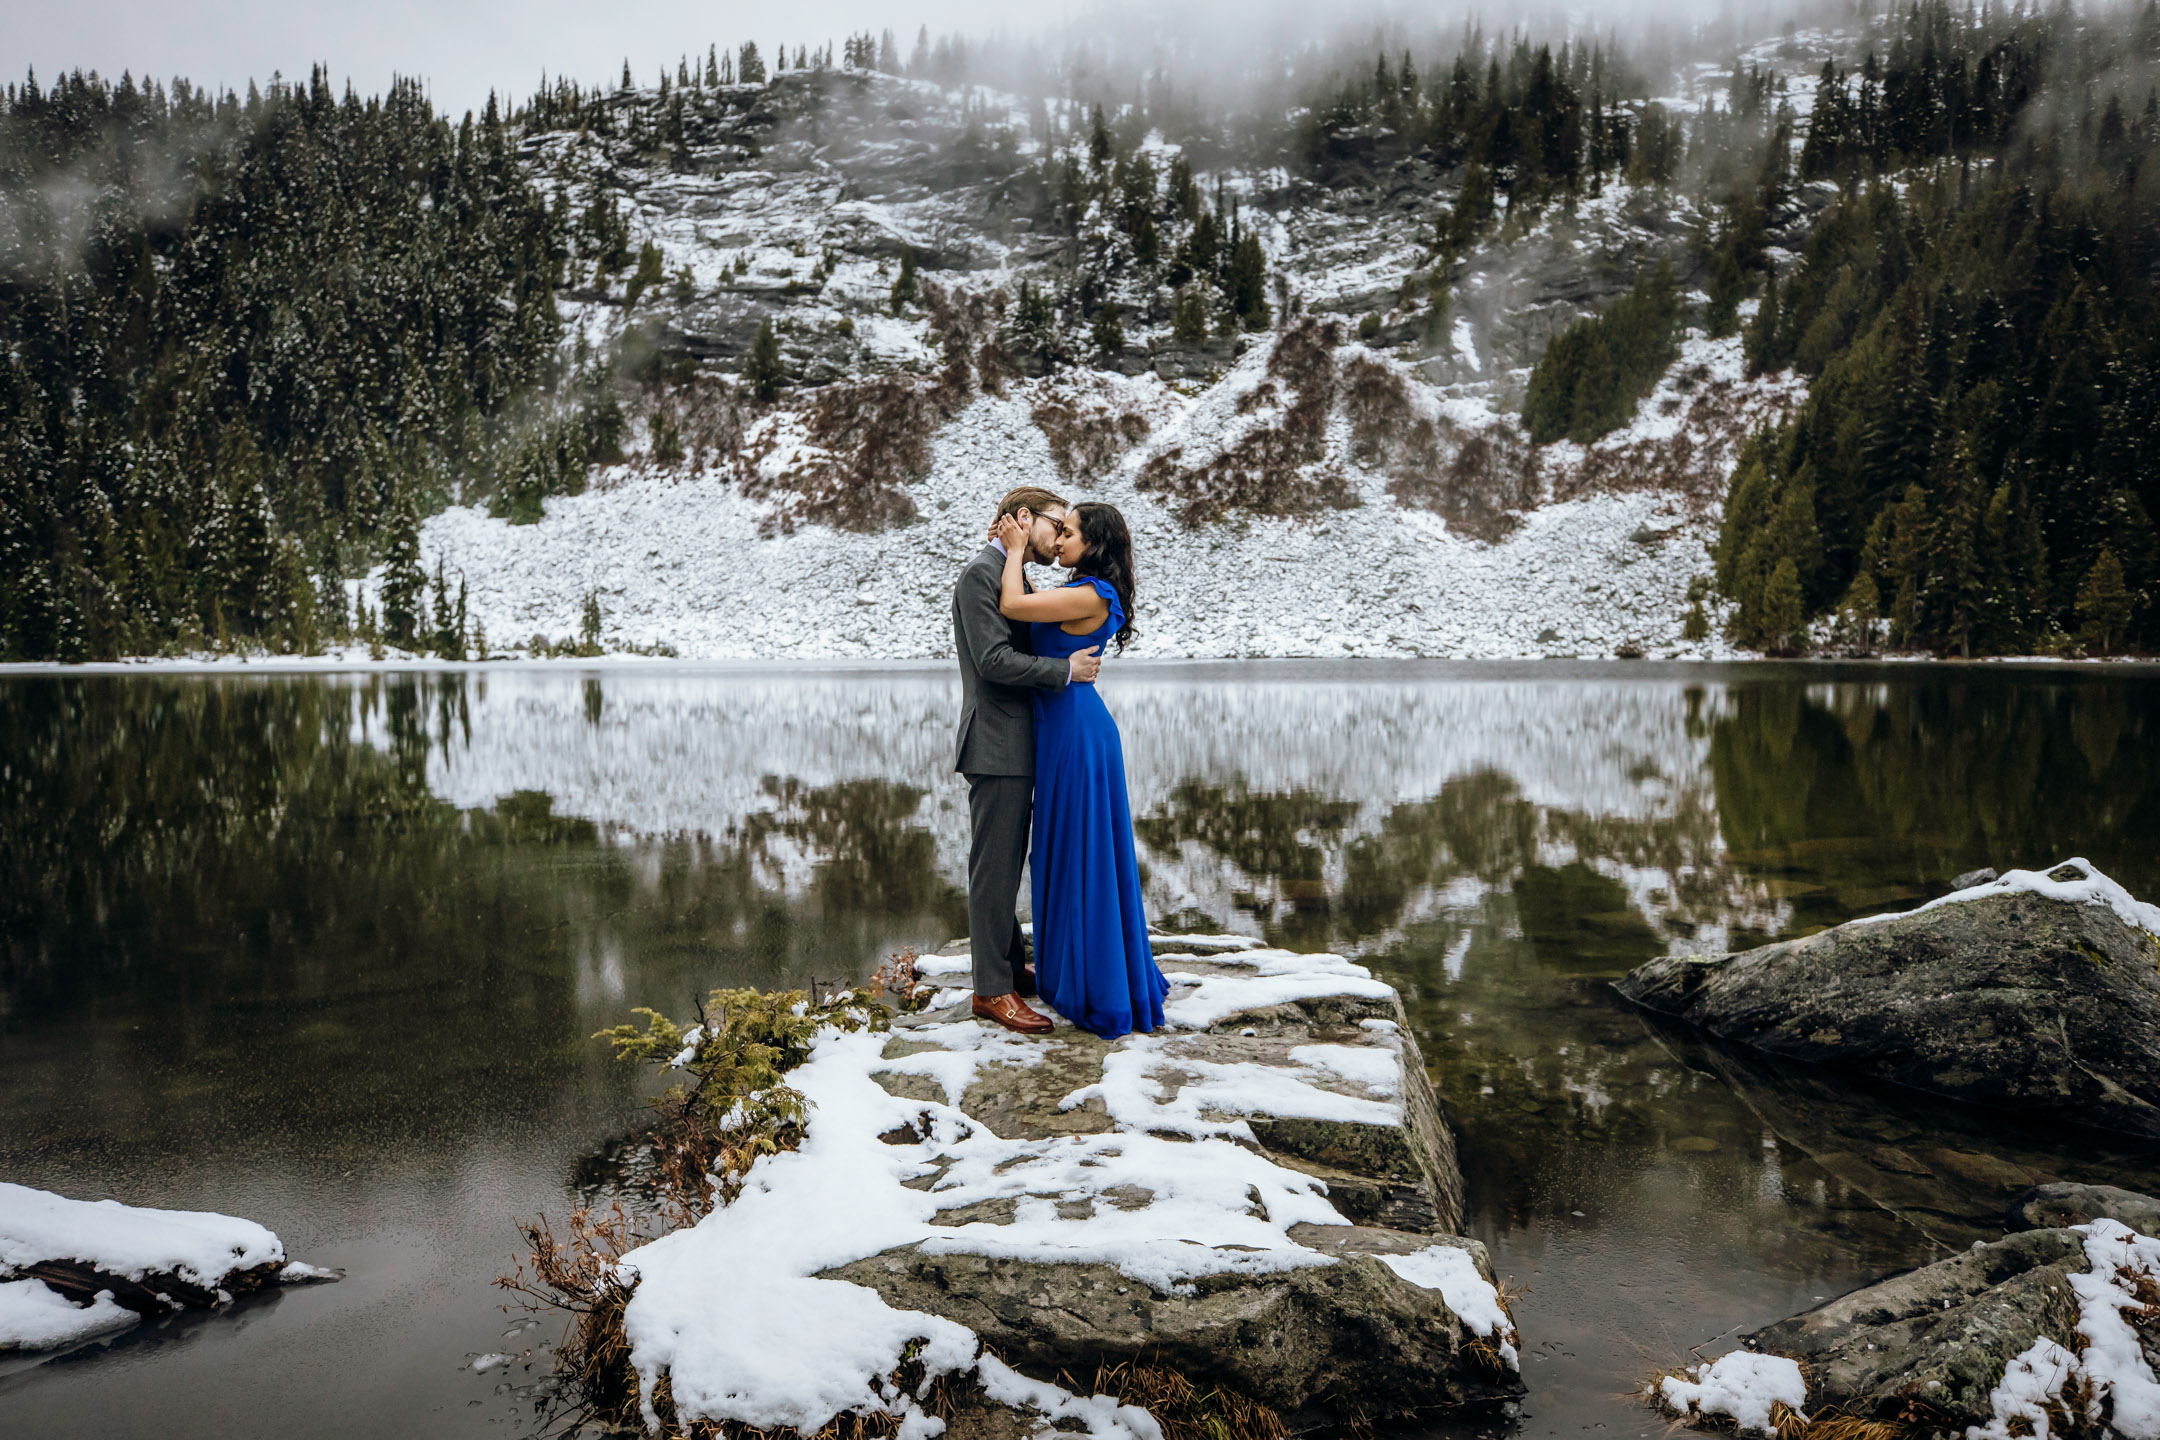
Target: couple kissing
(1037, 744)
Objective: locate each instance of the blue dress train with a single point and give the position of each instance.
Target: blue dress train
(1093, 964)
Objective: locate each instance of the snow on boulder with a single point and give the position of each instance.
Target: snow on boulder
(1257, 1197)
(74, 1269)
(2002, 1341)
(2037, 993)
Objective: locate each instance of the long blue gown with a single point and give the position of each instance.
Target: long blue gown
(1093, 963)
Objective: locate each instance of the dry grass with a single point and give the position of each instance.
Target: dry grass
(1088, 434)
(1478, 480)
(1696, 460)
(871, 438)
(898, 984)
(1185, 1411)
(1274, 468)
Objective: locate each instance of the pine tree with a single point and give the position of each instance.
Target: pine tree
(650, 272)
(1188, 321)
(1784, 623)
(763, 372)
(904, 291)
(749, 65)
(1109, 331)
(1245, 283)
(403, 580)
(1858, 611)
(1761, 342)
(441, 638)
(2103, 602)
(589, 624)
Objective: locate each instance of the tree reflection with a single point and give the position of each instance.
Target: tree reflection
(242, 896)
(1861, 795)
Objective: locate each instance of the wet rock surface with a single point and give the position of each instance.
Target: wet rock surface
(2045, 1008)
(1344, 1341)
(1931, 1345)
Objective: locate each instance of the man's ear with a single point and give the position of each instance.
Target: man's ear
(1025, 516)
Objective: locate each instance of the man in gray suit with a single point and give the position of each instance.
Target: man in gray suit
(996, 752)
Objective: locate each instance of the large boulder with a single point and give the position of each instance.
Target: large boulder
(1302, 1060)
(1258, 1200)
(2037, 994)
(2041, 1330)
(1938, 1337)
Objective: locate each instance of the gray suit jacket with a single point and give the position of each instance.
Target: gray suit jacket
(998, 667)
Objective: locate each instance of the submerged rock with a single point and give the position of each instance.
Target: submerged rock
(2066, 1204)
(2035, 994)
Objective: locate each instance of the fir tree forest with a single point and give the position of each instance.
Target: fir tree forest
(248, 343)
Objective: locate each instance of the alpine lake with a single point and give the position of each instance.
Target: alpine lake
(327, 950)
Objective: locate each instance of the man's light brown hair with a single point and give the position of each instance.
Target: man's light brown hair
(1031, 498)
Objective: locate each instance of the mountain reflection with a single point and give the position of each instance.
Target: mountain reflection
(344, 915)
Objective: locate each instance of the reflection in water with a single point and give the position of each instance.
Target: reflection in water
(327, 951)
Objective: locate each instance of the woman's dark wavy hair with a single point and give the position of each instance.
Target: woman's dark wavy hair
(1108, 556)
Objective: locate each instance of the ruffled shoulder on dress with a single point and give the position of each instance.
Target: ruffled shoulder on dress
(1110, 596)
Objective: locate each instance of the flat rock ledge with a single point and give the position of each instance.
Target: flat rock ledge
(73, 1271)
(2036, 994)
(1262, 1196)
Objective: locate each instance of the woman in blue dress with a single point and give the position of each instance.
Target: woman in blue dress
(1093, 964)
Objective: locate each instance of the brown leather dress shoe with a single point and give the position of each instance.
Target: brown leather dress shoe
(1024, 981)
(1013, 1013)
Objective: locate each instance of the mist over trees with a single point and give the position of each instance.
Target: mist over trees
(242, 343)
(248, 342)
(1977, 467)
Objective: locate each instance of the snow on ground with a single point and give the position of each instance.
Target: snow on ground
(677, 560)
(1740, 1387)
(2109, 1359)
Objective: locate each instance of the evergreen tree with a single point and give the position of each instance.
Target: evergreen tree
(763, 372)
(1784, 623)
(904, 291)
(2103, 602)
(403, 582)
(749, 65)
(1245, 283)
(1109, 331)
(650, 272)
(1189, 317)
(1591, 375)
(589, 624)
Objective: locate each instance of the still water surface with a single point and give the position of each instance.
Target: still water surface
(327, 951)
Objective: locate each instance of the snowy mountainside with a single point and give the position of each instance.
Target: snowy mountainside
(1389, 503)
(678, 558)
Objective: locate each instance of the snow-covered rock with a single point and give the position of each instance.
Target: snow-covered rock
(1068, 1202)
(71, 1270)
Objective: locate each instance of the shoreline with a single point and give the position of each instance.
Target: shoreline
(1362, 667)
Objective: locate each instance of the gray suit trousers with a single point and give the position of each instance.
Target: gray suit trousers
(999, 807)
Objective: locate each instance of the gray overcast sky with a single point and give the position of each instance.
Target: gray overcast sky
(461, 47)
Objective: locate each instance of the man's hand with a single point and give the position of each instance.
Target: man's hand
(1086, 665)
